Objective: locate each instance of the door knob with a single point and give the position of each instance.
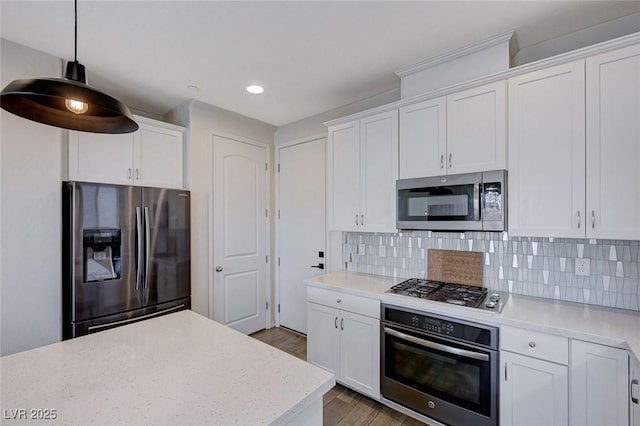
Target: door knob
(218, 268)
(319, 266)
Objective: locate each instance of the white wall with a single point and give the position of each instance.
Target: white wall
(203, 120)
(312, 126)
(30, 214)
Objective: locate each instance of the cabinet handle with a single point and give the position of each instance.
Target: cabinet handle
(339, 300)
(138, 174)
(357, 220)
(579, 220)
(442, 161)
(450, 162)
(362, 219)
(129, 173)
(336, 322)
(341, 323)
(593, 219)
(505, 371)
(633, 399)
(532, 344)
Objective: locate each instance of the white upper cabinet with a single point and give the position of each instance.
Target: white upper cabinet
(423, 138)
(101, 158)
(361, 174)
(547, 152)
(158, 157)
(613, 144)
(152, 156)
(574, 149)
(459, 133)
(379, 171)
(343, 176)
(476, 129)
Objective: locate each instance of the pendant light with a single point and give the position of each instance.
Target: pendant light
(68, 102)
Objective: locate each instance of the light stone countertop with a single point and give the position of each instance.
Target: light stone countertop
(177, 369)
(608, 326)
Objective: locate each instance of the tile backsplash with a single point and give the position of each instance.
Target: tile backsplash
(532, 266)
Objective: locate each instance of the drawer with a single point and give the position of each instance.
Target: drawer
(346, 302)
(535, 344)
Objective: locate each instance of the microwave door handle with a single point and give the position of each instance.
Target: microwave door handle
(140, 245)
(438, 346)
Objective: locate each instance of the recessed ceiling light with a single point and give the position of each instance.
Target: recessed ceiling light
(255, 89)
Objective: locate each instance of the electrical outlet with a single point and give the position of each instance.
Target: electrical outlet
(583, 266)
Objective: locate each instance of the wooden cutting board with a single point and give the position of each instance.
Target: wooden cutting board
(452, 266)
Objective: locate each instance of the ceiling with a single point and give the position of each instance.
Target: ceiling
(309, 56)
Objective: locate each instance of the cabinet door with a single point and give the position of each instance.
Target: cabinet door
(379, 172)
(613, 144)
(423, 138)
(599, 385)
(360, 353)
(634, 390)
(323, 337)
(158, 155)
(547, 152)
(101, 158)
(532, 392)
(476, 129)
(343, 177)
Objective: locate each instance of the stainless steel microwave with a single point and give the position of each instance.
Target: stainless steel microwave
(464, 202)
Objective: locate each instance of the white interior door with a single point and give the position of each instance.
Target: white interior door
(301, 227)
(239, 234)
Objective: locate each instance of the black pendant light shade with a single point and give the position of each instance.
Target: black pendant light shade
(69, 103)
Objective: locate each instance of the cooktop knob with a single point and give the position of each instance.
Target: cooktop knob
(490, 305)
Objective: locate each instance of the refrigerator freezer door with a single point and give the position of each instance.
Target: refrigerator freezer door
(101, 255)
(168, 266)
(104, 323)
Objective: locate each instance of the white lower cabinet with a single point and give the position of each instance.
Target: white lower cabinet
(634, 390)
(534, 378)
(532, 391)
(345, 343)
(599, 385)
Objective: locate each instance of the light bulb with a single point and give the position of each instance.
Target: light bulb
(76, 107)
(255, 89)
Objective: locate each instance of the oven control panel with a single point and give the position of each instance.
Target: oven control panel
(462, 330)
(433, 325)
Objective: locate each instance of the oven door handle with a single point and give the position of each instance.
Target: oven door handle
(438, 346)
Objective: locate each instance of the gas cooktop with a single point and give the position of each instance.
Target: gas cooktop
(456, 294)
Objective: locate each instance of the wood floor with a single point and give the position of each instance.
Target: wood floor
(342, 406)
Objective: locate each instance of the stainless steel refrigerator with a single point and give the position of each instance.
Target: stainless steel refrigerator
(126, 255)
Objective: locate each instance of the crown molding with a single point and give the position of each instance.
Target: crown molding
(585, 52)
(459, 53)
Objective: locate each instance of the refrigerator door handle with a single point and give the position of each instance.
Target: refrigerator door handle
(139, 241)
(147, 247)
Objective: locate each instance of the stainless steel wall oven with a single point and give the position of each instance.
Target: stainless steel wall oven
(442, 367)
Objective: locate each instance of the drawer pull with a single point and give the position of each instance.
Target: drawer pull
(339, 300)
(532, 344)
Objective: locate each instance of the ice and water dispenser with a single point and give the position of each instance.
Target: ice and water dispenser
(101, 248)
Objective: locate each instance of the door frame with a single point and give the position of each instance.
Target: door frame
(276, 301)
(268, 219)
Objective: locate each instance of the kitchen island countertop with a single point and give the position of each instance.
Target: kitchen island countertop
(180, 368)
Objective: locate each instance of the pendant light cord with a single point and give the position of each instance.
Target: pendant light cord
(75, 32)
